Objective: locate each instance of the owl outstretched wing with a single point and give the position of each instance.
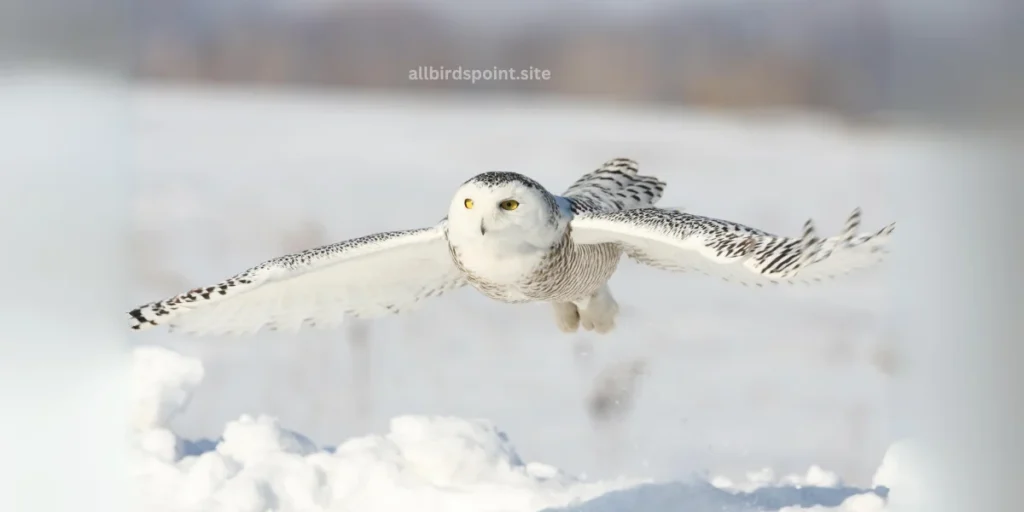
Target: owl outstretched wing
(616, 185)
(365, 277)
(671, 239)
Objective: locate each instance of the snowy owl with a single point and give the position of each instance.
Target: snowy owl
(513, 241)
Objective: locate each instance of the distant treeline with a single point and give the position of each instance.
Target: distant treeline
(825, 55)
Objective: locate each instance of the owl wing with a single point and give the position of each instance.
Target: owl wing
(365, 277)
(671, 239)
(616, 185)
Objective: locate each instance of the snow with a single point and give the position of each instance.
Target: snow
(422, 463)
(63, 214)
(164, 382)
(902, 472)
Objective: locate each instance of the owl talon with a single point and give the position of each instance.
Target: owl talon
(599, 311)
(567, 317)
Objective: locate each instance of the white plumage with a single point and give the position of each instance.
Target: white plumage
(513, 241)
(365, 277)
(678, 241)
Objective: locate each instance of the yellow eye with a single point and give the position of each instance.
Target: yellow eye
(468, 203)
(509, 204)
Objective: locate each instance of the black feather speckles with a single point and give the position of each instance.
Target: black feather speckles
(498, 178)
(148, 314)
(283, 267)
(765, 255)
(616, 185)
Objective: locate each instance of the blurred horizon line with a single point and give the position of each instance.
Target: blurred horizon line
(733, 55)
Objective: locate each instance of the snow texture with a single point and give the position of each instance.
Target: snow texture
(422, 463)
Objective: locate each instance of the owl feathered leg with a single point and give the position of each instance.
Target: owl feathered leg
(567, 317)
(598, 311)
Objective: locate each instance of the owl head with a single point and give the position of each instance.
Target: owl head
(506, 206)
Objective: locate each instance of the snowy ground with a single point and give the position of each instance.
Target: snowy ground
(701, 382)
(421, 463)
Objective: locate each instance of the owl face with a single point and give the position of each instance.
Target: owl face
(504, 207)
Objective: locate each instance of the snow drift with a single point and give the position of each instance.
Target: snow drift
(423, 463)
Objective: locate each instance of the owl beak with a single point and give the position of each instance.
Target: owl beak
(483, 230)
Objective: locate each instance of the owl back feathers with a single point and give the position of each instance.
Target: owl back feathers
(616, 185)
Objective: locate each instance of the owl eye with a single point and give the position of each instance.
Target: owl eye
(509, 204)
(468, 203)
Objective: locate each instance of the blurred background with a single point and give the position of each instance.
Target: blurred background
(835, 56)
(241, 130)
(830, 56)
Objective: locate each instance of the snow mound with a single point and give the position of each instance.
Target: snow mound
(815, 477)
(901, 473)
(422, 463)
(857, 503)
(164, 381)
